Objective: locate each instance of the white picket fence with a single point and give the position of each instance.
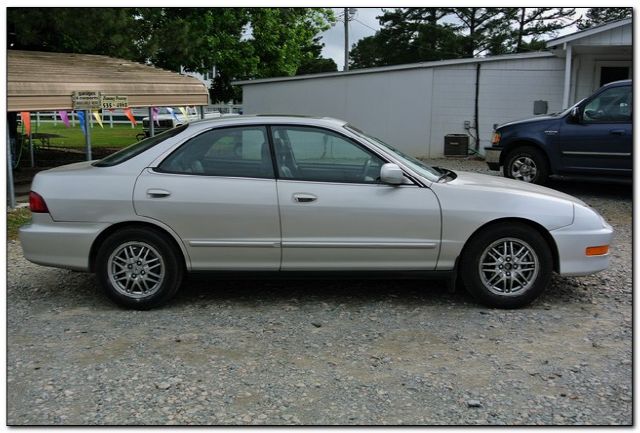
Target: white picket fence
(117, 116)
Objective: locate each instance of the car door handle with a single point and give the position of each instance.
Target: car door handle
(617, 132)
(158, 193)
(304, 198)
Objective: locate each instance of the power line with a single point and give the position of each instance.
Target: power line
(366, 25)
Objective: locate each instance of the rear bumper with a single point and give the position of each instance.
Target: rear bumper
(492, 157)
(59, 244)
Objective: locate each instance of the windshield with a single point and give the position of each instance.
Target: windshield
(427, 171)
(137, 148)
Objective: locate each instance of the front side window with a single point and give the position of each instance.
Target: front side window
(313, 154)
(231, 152)
(612, 105)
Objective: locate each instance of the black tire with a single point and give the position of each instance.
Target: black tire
(491, 286)
(521, 161)
(118, 279)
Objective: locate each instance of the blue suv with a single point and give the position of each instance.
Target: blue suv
(594, 139)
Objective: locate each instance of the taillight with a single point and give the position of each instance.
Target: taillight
(37, 204)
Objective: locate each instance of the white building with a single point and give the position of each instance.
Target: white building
(414, 106)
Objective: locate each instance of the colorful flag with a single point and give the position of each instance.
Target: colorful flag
(65, 118)
(154, 111)
(173, 113)
(25, 116)
(96, 115)
(184, 113)
(81, 120)
(127, 112)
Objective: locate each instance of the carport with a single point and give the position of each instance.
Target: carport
(40, 81)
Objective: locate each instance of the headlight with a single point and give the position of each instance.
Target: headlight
(495, 138)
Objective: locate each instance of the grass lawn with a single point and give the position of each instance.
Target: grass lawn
(15, 219)
(118, 136)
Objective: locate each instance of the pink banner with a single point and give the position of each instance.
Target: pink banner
(65, 118)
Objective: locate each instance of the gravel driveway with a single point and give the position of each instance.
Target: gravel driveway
(325, 352)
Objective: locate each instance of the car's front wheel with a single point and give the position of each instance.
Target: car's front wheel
(527, 164)
(506, 266)
(138, 268)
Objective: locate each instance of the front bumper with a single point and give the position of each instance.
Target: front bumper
(59, 244)
(492, 157)
(572, 242)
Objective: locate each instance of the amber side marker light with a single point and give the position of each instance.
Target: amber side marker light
(597, 251)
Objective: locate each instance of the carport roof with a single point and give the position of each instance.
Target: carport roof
(39, 81)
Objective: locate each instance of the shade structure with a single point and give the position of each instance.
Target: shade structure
(40, 81)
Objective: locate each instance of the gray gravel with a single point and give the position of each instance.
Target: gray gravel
(325, 352)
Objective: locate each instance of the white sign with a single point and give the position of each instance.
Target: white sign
(86, 100)
(111, 101)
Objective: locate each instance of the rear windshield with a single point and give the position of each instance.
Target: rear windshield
(137, 148)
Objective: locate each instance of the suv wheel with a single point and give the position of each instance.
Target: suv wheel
(527, 164)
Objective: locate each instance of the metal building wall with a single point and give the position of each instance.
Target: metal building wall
(414, 109)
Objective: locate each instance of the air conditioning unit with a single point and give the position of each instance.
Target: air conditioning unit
(456, 145)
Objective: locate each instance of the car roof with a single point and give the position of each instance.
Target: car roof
(269, 119)
(618, 83)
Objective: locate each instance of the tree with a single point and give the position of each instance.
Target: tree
(538, 22)
(596, 16)
(313, 62)
(486, 29)
(240, 42)
(408, 35)
(108, 31)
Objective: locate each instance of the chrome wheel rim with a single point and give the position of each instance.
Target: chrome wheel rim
(508, 267)
(524, 168)
(136, 269)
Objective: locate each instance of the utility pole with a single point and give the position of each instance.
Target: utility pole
(346, 39)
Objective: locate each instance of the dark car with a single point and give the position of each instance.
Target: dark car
(594, 139)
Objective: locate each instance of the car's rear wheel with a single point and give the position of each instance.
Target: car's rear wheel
(527, 164)
(138, 268)
(506, 266)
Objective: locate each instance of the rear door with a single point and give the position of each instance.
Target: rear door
(218, 193)
(602, 141)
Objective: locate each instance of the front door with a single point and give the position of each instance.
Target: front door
(218, 193)
(602, 140)
(335, 213)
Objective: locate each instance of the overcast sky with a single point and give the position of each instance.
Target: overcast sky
(366, 24)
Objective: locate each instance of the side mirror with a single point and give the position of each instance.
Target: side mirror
(391, 174)
(574, 115)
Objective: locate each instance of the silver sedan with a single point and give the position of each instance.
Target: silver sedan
(296, 194)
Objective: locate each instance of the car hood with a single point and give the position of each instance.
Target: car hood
(537, 119)
(484, 182)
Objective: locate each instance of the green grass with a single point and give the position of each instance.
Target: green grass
(15, 219)
(119, 136)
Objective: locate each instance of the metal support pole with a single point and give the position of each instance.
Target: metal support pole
(111, 119)
(31, 150)
(38, 119)
(202, 111)
(152, 128)
(73, 119)
(87, 136)
(11, 192)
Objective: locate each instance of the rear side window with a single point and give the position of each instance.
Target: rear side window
(231, 152)
(137, 148)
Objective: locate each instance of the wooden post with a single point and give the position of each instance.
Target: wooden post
(152, 128)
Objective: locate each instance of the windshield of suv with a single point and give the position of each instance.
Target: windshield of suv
(427, 171)
(137, 148)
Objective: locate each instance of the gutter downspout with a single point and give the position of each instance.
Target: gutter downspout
(476, 121)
